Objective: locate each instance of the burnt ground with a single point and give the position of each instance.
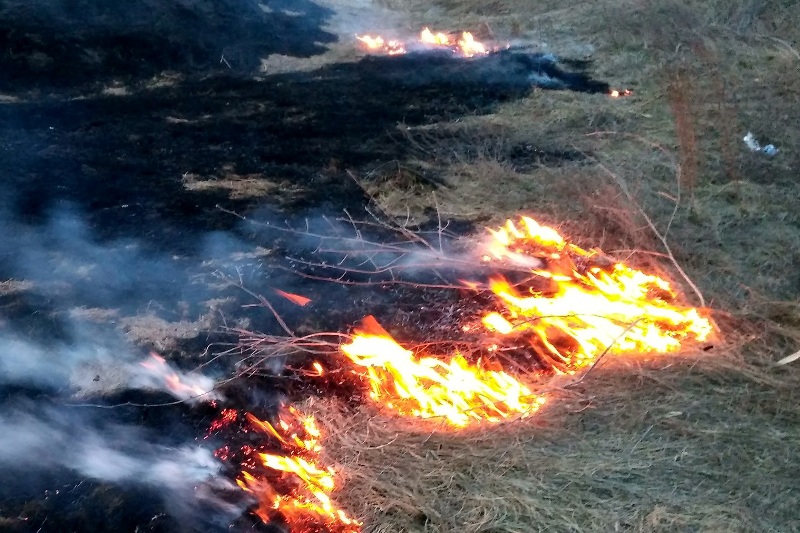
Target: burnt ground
(125, 144)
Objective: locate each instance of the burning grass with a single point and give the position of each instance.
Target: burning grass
(637, 446)
(455, 396)
(693, 442)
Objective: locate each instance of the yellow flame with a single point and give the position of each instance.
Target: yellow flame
(465, 45)
(379, 44)
(456, 391)
(580, 314)
(303, 498)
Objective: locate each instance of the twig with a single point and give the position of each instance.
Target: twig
(661, 237)
(602, 355)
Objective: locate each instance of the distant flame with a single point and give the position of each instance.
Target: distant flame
(379, 44)
(573, 313)
(616, 93)
(296, 488)
(455, 390)
(464, 45)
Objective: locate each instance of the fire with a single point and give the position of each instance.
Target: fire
(296, 299)
(616, 93)
(379, 44)
(156, 373)
(464, 45)
(295, 488)
(577, 303)
(456, 391)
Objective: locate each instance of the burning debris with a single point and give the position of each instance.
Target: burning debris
(549, 297)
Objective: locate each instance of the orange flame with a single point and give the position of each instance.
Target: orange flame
(464, 45)
(574, 314)
(301, 494)
(294, 298)
(616, 93)
(379, 44)
(186, 386)
(426, 387)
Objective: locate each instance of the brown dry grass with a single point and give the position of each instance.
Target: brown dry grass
(702, 442)
(641, 445)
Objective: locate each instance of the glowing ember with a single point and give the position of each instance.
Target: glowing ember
(295, 488)
(426, 387)
(572, 314)
(464, 45)
(226, 418)
(294, 298)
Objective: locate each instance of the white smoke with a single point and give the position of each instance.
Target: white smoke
(32, 437)
(88, 367)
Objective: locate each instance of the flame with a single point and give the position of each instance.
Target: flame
(427, 387)
(572, 314)
(301, 491)
(159, 374)
(379, 44)
(296, 299)
(616, 93)
(464, 45)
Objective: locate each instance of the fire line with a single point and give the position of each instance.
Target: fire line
(572, 305)
(463, 44)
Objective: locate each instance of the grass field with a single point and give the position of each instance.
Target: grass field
(206, 113)
(704, 441)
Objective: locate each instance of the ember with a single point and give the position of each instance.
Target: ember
(294, 487)
(296, 299)
(579, 303)
(426, 387)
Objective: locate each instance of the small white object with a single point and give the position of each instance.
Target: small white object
(753, 144)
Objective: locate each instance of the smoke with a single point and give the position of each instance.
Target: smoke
(33, 437)
(156, 373)
(371, 250)
(91, 366)
(66, 268)
(61, 258)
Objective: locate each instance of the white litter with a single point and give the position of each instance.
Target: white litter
(753, 144)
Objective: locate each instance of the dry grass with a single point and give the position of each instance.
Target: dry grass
(704, 442)
(650, 445)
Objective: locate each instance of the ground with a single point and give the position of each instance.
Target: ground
(128, 149)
